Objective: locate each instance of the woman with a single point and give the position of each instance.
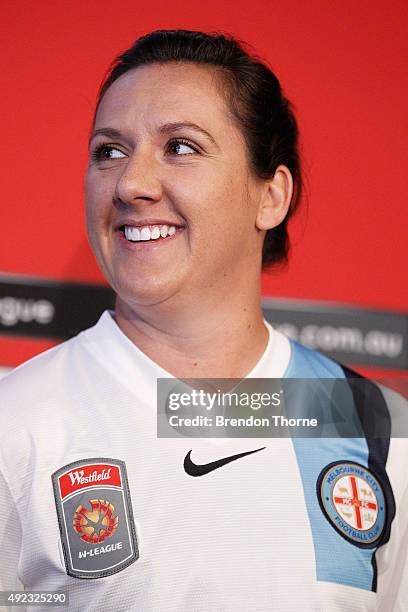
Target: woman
(193, 174)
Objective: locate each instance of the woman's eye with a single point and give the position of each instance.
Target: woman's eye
(106, 152)
(181, 147)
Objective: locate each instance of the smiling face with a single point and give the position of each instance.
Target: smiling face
(168, 163)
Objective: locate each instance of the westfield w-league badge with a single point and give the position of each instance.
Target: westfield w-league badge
(95, 517)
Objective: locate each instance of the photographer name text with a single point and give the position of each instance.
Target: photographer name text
(250, 421)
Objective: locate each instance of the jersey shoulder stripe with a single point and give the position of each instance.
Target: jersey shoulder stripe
(339, 558)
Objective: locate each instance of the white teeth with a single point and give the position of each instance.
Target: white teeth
(128, 231)
(153, 232)
(135, 235)
(145, 233)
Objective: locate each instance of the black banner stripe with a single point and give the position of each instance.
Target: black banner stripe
(42, 308)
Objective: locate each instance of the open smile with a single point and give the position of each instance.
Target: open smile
(147, 236)
(147, 232)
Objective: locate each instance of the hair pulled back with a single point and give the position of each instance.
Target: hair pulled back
(254, 96)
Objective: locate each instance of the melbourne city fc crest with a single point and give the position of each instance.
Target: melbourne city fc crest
(95, 517)
(353, 501)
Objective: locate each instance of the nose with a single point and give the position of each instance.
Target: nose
(140, 180)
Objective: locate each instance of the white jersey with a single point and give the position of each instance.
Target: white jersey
(79, 448)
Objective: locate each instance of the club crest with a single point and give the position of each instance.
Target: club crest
(95, 517)
(352, 500)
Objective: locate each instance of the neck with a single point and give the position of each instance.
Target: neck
(221, 339)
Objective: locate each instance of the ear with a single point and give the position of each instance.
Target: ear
(274, 204)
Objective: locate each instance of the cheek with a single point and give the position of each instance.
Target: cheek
(212, 195)
(226, 207)
(98, 198)
(98, 185)
(221, 220)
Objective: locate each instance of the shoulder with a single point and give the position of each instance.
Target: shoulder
(30, 400)
(308, 363)
(48, 372)
(39, 403)
(28, 391)
(372, 399)
(34, 374)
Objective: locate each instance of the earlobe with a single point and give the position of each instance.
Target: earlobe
(275, 203)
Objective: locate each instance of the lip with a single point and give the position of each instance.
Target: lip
(146, 221)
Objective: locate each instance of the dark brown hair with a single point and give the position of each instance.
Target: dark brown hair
(254, 96)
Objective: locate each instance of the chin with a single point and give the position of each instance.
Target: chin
(145, 291)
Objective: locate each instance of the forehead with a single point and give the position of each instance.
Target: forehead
(166, 92)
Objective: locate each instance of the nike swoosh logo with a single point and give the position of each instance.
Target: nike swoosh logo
(192, 469)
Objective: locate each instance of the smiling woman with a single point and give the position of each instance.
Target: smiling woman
(179, 146)
(193, 174)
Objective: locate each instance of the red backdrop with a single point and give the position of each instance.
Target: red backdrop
(342, 64)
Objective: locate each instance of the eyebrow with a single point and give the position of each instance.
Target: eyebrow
(178, 126)
(164, 129)
(109, 132)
